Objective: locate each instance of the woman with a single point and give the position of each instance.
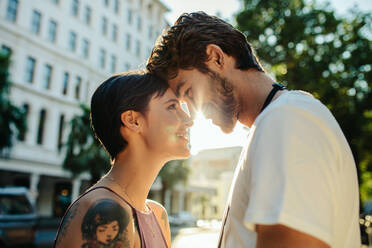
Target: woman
(140, 123)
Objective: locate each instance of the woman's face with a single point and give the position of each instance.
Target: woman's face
(107, 232)
(167, 124)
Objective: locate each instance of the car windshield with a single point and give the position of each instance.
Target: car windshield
(14, 204)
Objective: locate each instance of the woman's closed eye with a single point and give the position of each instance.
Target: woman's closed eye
(172, 106)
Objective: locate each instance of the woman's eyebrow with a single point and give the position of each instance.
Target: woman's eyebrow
(172, 100)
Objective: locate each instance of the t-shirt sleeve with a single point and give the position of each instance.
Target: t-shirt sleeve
(291, 180)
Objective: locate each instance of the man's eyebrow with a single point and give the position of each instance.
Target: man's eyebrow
(179, 86)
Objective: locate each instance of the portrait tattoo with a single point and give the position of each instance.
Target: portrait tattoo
(70, 215)
(104, 225)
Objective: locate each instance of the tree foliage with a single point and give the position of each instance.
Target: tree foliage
(12, 118)
(83, 151)
(172, 173)
(309, 47)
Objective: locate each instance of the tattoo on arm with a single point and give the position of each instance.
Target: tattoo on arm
(66, 222)
(105, 223)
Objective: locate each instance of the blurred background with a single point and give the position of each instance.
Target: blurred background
(54, 53)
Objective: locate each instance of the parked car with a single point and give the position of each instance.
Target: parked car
(18, 219)
(182, 218)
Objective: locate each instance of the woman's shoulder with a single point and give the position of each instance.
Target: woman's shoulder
(162, 218)
(99, 208)
(154, 205)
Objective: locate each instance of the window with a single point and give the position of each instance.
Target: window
(6, 50)
(77, 87)
(113, 64)
(60, 131)
(66, 78)
(25, 111)
(102, 58)
(47, 76)
(40, 129)
(106, 3)
(55, 1)
(130, 16)
(30, 69)
(114, 32)
(139, 23)
(85, 48)
(88, 15)
(35, 23)
(138, 48)
(52, 31)
(72, 41)
(150, 31)
(127, 66)
(149, 10)
(128, 41)
(11, 11)
(116, 6)
(104, 26)
(75, 7)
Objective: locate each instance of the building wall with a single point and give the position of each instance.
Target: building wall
(140, 20)
(210, 179)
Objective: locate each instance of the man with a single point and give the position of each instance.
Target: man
(296, 182)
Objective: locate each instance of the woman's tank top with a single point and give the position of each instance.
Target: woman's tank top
(150, 232)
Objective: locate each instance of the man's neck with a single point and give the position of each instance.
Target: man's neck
(253, 87)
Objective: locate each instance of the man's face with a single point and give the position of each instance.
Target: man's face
(209, 93)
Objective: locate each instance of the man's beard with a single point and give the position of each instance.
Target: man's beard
(223, 107)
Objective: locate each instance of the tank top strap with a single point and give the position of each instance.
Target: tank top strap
(151, 233)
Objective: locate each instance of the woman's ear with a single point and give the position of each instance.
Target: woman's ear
(130, 119)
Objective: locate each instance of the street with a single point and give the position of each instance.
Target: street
(206, 237)
(182, 237)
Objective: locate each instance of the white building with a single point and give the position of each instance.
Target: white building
(211, 176)
(61, 50)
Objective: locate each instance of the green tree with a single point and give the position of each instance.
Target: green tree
(83, 151)
(12, 118)
(309, 47)
(172, 173)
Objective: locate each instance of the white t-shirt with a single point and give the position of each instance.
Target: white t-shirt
(297, 170)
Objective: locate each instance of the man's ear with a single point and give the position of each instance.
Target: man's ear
(216, 57)
(130, 119)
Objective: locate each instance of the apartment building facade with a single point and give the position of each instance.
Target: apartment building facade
(60, 51)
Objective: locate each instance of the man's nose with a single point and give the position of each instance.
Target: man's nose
(192, 111)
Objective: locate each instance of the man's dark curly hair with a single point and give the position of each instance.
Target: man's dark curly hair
(183, 46)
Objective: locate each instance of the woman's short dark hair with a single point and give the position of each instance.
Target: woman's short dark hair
(103, 212)
(183, 45)
(119, 93)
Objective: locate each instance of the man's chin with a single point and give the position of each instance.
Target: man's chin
(227, 128)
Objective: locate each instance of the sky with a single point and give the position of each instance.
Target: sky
(205, 135)
(228, 7)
